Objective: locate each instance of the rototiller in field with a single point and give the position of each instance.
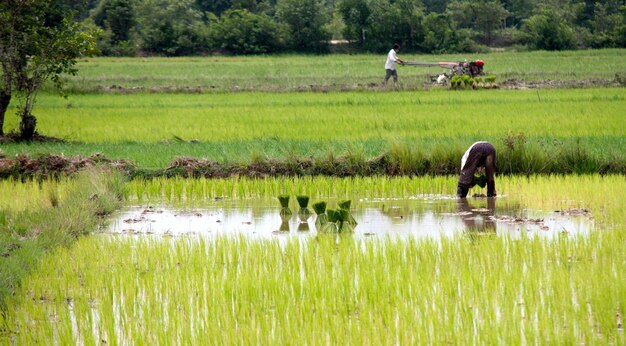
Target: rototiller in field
(472, 69)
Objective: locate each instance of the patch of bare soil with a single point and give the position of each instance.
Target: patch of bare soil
(37, 138)
(517, 220)
(406, 84)
(573, 212)
(517, 84)
(23, 166)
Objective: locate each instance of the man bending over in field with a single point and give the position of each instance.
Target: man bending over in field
(480, 156)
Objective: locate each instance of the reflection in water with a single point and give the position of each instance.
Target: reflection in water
(477, 219)
(303, 227)
(421, 216)
(284, 225)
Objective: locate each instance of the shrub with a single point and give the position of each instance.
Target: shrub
(242, 32)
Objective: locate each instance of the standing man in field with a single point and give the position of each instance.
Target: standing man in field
(480, 156)
(390, 64)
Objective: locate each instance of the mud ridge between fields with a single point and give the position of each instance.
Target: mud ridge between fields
(53, 166)
(509, 84)
(45, 166)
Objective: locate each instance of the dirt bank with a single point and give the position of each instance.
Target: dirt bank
(407, 84)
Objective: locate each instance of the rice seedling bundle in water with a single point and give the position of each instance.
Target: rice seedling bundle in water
(304, 212)
(320, 211)
(284, 204)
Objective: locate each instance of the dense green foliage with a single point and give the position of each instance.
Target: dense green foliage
(262, 34)
(39, 41)
(187, 27)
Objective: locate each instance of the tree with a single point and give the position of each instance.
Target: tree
(485, 17)
(437, 6)
(605, 27)
(242, 32)
(170, 27)
(120, 19)
(117, 19)
(519, 9)
(441, 35)
(214, 6)
(392, 22)
(355, 14)
(306, 20)
(548, 31)
(40, 41)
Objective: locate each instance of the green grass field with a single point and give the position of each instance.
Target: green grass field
(242, 126)
(327, 72)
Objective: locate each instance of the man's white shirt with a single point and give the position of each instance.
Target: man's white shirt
(391, 60)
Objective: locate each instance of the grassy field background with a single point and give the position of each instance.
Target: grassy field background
(239, 127)
(326, 72)
(152, 110)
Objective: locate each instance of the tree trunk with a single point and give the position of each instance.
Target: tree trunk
(5, 99)
(27, 127)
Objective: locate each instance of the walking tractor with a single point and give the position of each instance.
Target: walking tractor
(472, 69)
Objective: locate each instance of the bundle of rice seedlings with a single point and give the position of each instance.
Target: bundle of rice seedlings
(304, 211)
(331, 225)
(284, 203)
(320, 210)
(303, 201)
(345, 205)
(344, 224)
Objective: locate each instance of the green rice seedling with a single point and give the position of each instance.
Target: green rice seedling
(121, 290)
(284, 201)
(284, 204)
(345, 221)
(332, 226)
(456, 82)
(345, 205)
(304, 213)
(319, 207)
(303, 201)
(320, 211)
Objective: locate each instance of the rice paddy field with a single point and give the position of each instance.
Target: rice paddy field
(153, 129)
(542, 263)
(331, 72)
(477, 288)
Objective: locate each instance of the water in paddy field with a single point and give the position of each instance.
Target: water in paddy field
(420, 216)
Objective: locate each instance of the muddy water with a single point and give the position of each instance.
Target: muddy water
(420, 216)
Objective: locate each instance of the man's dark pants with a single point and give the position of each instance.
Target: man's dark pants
(390, 73)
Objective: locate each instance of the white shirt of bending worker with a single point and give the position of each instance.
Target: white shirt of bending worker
(464, 158)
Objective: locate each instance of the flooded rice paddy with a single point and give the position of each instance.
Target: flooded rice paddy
(420, 216)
